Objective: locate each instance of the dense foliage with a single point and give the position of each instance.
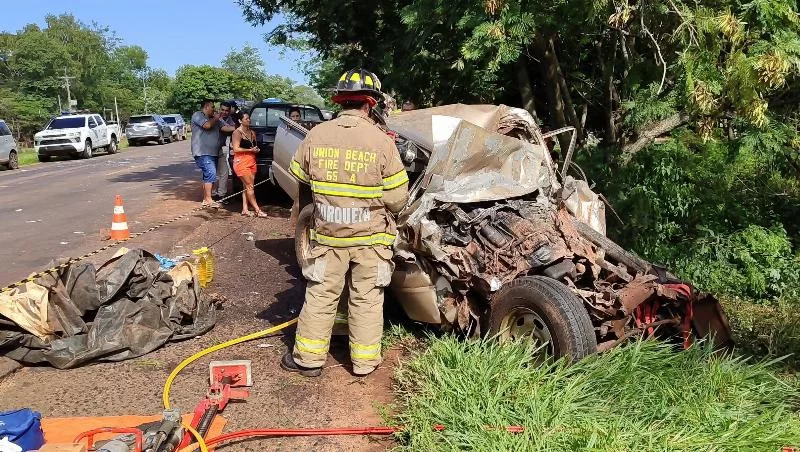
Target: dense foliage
(685, 111)
(33, 59)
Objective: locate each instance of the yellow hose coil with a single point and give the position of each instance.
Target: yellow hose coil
(196, 356)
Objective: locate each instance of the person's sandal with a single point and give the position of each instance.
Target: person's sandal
(261, 214)
(248, 214)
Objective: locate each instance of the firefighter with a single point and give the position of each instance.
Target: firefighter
(358, 183)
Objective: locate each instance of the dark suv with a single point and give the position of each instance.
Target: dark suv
(264, 120)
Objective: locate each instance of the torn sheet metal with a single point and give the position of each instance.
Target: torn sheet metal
(584, 204)
(124, 309)
(489, 208)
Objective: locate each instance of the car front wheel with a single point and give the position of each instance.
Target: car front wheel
(547, 312)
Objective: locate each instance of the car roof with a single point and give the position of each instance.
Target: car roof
(86, 115)
(283, 104)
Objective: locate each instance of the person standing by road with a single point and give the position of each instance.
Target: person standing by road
(358, 183)
(245, 148)
(206, 130)
(223, 167)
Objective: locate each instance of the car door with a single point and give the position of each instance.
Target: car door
(6, 141)
(96, 141)
(102, 131)
(161, 125)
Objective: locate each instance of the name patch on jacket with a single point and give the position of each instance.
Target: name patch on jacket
(343, 215)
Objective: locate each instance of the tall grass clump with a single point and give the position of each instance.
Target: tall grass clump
(644, 396)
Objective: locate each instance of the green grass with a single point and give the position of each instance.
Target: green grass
(27, 156)
(643, 396)
(768, 330)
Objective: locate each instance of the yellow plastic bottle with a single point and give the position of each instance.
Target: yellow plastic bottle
(204, 263)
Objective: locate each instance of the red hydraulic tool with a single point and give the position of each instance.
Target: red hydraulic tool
(223, 375)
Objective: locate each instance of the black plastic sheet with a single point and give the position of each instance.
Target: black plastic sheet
(123, 310)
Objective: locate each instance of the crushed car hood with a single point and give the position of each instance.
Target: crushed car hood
(489, 207)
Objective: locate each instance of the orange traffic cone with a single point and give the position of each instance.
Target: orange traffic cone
(119, 222)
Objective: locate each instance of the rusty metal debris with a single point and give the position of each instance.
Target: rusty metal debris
(489, 208)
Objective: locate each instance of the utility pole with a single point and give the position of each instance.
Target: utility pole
(59, 104)
(116, 110)
(144, 90)
(66, 84)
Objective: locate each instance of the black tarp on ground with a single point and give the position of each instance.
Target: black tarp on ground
(122, 310)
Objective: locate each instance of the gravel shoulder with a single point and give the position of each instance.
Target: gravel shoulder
(262, 286)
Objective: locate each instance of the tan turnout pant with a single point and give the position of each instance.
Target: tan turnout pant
(366, 270)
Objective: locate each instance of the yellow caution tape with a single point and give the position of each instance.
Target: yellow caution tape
(33, 277)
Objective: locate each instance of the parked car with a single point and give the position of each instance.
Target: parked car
(512, 250)
(144, 128)
(264, 119)
(9, 154)
(76, 136)
(177, 125)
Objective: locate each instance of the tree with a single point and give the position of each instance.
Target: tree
(195, 83)
(686, 110)
(33, 60)
(246, 63)
(307, 95)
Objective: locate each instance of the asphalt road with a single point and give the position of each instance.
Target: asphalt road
(59, 208)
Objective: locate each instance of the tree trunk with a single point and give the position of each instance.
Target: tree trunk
(647, 134)
(524, 84)
(569, 108)
(555, 103)
(607, 68)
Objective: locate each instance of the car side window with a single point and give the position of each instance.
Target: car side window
(311, 114)
(99, 120)
(92, 122)
(4, 129)
(258, 117)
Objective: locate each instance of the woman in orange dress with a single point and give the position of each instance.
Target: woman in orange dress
(245, 147)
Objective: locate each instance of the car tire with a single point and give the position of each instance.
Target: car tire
(112, 146)
(87, 149)
(543, 308)
(43, 158)
(302, 233)
(13, 161)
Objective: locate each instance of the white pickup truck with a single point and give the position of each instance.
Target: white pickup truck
(76, 135)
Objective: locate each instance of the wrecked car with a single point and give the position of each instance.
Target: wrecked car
(495, 240)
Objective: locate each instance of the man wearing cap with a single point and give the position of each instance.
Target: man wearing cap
(358, 184)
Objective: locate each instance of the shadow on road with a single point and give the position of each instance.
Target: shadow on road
(169, 179)
(288, 302)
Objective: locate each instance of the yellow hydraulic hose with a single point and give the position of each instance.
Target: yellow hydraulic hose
(200, 442)
(213, 349)
(196, 356)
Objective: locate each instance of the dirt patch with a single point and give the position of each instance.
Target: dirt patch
(262, 287)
